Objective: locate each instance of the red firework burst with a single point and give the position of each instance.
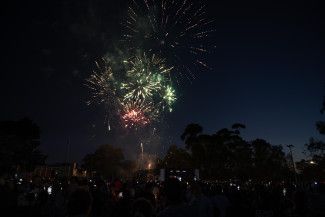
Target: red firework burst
(134, 117)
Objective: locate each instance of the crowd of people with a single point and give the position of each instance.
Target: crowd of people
(171, 198)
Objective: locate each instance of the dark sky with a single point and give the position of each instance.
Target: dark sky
(267, 71)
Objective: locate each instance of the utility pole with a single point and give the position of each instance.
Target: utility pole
(293, 163)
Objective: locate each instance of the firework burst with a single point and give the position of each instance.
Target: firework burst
(148, 84)
(138, 97)
(173, 29)
(135, 115)
(146, 78)
(101, 84)
(169, 97)
(161, 37)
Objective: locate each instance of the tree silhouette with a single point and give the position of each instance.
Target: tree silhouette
(19, 146)
(221, 155)
(177, 158)
(233, 153)
(226, 155)
(316, 149)
(190, 134)
(269, 162)
(106, 160)
(191, 138)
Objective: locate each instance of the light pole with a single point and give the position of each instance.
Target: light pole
(142, 163)
(292, 161)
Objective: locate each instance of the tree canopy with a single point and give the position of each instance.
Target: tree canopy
(225, 154)
(177, 158)
(107, 160)
(316, 149)
(19, 146)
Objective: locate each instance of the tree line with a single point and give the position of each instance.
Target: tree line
(226, 155)
(222, 155)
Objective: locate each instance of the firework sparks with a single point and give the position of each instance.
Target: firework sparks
(134, 115)
(146, 78)
(139, 96)
(161, 37)
(170, 97)
(101, 84)
(169, 28)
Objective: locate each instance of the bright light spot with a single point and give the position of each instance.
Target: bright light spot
(49, 190)
(284, 191)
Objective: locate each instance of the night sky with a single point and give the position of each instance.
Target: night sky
(268, 71)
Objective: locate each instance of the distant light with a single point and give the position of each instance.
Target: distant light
(284, 191)
(20, 180)
(238, 188)
(49, 190)
(312, 162)
(315, 183)
(179, 178)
